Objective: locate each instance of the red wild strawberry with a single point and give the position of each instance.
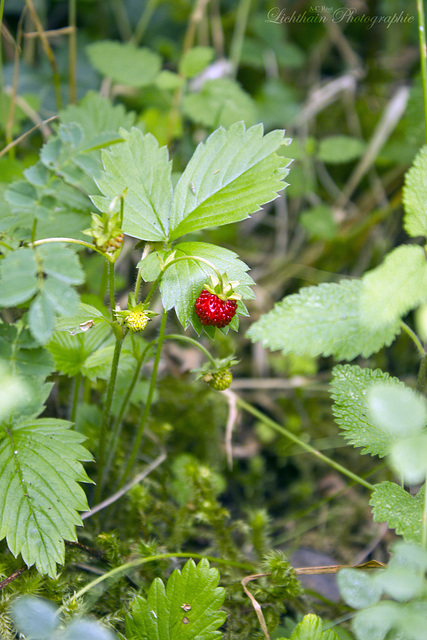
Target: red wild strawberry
(211, 310)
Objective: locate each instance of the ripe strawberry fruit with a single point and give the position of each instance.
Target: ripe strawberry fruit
(136, 321)
(211, 310)
(221, 380)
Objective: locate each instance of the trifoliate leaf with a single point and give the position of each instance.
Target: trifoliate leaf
(340, 149)
(230, 176)
(403, 512)
(398, 285)
(187, 609)
(220, 103)
(140, 171)
(39, 492)
(415, 196)
(350, 389)
(62, 298)
(183, 281)
(322, 320)
(124, 62)
(18, 277)
(195, 60)
(80, 321)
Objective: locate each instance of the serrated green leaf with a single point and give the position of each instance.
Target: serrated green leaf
(392, 504)
(322, 320)
(39, 492)
(41, 318)
(70, 352)
(18, 277)
(415, 196)
(350, 391)
(185, 610)
(220, 103)
(140, 171)
(98, 115)
(195, 60)
(229, 177)
(358, 588)
(311, 628)
(62, 263)
(62, 298)
(398, 285)
(340, 149)
(124, 62)
(183, 281)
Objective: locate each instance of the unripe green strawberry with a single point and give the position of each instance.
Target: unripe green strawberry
(221, 380)
(136, 321)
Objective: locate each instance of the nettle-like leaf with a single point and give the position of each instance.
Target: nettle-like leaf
(183, 281)
(124, 62)
(230, 176)
(415, 196)
(398, 285)
(188, 608)
(403, 512)
(140, 171)
(322, 320)
(349, 389)
(40, 467)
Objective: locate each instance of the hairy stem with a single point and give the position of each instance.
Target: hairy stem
(177, 336)
(116, 429)
(288, 434)
(77, 383)
(72, 51)
(147, 407)
(70, 241)
(107, 417)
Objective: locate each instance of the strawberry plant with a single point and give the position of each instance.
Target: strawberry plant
(173, 334)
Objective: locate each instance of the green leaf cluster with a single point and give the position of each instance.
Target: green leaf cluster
(402, 582)
(187, 608)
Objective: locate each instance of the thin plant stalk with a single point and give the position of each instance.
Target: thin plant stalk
(239, 33)
(177, 336)
(117, 425)
(424, 538)
(147, 407)
(144, 20)
(107, 418)
(117, 572)
(111, 289)
(77, 383)
(2, 94)
(72, 14)
(423, 54)
(422, 371)
(288, 434)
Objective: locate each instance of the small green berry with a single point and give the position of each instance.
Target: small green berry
(136, 321)
(221, 380)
